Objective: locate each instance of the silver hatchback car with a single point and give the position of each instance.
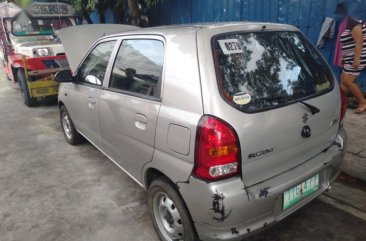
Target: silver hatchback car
(229, 127)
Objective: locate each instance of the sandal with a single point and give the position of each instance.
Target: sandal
(360, 110)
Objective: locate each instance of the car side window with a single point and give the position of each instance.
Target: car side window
(94, 67)
(138, 67)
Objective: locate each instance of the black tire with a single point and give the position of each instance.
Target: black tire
(50, 100)
(27, 99)
(163, 186)
(72, 136)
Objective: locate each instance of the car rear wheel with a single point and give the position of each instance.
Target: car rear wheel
(27, 99)
(168, 212)
(72, 136)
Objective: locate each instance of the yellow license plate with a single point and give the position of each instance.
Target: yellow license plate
(42, 90)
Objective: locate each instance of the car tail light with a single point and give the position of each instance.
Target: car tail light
(217, 153)
(343, 106)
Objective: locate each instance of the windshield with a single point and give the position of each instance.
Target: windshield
(254, 69)
(23, 25)
(32, 39)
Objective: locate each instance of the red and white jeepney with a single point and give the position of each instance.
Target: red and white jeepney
(30, 50)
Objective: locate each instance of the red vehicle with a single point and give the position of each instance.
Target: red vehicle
(30, 50)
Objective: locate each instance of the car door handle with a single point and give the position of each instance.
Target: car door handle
(140, 121)
(91, 100)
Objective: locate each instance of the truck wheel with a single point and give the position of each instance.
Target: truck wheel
(168, 212)
(72, 136)
(27, 99)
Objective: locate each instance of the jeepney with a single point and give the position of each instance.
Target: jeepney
(30, 49)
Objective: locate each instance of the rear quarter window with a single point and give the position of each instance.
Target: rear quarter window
(264, 70)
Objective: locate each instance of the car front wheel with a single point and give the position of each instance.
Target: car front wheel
(168, 212)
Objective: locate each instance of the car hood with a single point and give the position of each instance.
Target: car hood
(77, 40)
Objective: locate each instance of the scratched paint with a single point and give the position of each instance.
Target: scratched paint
(219, 212)
(263, 193)
(234, 231)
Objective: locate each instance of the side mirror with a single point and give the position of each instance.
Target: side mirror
(64, 76)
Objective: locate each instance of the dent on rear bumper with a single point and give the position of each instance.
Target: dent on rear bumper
(227, 210)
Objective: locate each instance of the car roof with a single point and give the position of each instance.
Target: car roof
(213, 27)
(77, 40)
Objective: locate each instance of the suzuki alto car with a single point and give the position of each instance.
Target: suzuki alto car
(229, 127)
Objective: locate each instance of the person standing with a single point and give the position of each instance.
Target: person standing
(353, 41)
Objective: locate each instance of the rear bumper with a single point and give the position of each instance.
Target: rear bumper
(227, 210)
(42, 88)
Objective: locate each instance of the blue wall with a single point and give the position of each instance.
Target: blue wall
(307, 15)
(110, 16)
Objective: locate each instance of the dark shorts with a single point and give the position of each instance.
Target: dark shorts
(349, 69)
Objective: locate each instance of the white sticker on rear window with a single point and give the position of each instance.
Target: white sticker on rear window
(242, 98)
(230, 46)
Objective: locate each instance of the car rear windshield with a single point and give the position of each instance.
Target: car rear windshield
(263, 70)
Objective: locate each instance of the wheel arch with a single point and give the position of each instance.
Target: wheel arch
(60, 103)
(151, 174)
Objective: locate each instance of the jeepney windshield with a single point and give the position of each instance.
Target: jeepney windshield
(31, 39)
(23, 25)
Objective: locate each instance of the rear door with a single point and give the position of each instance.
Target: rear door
(82, 98)
(130, 104)
(261, 76)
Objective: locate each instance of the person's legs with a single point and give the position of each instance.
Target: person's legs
(348, 82)
(343, 86)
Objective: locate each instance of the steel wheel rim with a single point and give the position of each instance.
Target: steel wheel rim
(167, 217)
(66, 124)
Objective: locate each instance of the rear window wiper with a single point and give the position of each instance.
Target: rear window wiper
(313, 109)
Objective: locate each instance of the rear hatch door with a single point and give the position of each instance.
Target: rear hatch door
(273, 142)
(262, 76)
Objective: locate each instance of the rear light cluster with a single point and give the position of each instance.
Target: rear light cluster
(343, 106)
(217, 153)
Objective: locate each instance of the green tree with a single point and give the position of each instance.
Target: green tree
(22, 3)
(87, 6)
